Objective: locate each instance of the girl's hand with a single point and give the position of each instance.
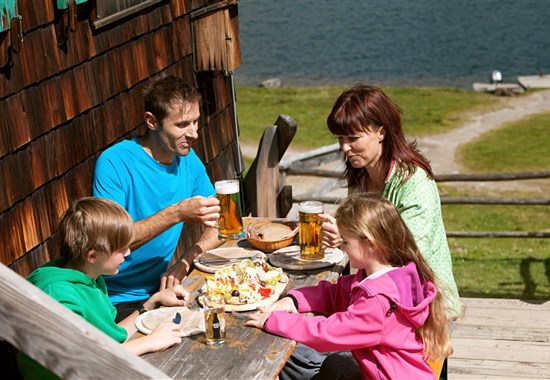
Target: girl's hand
(258, 318)
(329, 231)
(284, 304)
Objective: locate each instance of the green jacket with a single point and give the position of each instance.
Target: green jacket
(418, 202)
(81, 294)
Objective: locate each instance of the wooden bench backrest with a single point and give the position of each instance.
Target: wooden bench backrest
(61, 340)
(264, 196)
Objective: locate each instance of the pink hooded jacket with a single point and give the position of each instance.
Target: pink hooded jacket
(376, 319)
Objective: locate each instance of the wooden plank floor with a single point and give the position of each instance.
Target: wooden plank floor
(502, 339)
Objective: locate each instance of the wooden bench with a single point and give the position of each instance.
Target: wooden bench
(262, 183)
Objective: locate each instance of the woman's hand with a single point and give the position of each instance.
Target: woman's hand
(329, 231)
(258, 318)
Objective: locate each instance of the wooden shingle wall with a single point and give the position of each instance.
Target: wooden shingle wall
(68, 95)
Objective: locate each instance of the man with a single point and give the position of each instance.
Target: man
(162, 184)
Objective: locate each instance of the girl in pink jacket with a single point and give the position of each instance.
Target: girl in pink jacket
(389, 314)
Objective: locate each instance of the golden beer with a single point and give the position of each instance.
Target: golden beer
(310, 230)
(214, 318)
(231, 221)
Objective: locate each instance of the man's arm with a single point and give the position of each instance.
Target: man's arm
(177, 272)
(198, 210)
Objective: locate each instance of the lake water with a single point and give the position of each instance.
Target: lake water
(416, 42)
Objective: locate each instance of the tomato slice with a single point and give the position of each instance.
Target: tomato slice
(265, 292)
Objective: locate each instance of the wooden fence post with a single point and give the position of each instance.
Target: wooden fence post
(61, 340)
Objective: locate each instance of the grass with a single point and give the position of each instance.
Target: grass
(489, 267)
(517, 146)
(425, 110)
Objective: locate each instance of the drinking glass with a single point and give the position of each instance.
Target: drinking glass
(310, 230)
(231, 221)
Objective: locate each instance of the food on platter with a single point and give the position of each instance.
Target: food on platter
(248, 284)
(269, 236)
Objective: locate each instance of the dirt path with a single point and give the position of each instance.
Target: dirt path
(441, 149)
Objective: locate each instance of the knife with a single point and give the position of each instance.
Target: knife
(177, 319)
(222, 260)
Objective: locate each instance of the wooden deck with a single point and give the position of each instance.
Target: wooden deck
(502, 339)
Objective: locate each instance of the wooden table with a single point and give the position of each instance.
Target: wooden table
(248, 353)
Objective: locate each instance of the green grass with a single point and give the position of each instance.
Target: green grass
(425, 110)
(483, 267)
(518, 146)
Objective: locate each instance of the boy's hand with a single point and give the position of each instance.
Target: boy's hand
(164, 336)
(175, 296)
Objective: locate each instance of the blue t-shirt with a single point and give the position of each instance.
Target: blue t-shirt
(126, 174)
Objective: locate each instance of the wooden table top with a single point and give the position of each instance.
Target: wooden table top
(248, 353)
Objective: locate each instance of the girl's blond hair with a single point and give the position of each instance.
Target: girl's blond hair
(369, 216)
(94, 224)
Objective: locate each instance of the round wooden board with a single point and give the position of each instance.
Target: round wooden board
(232, 254)
(289, 258)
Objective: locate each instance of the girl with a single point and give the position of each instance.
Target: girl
(389, 314)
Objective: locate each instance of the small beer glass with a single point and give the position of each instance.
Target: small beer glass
(231, 221)
(310, 230)
(214, 318)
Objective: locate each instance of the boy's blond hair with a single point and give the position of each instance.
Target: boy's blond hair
(369, 216)
(94, 224)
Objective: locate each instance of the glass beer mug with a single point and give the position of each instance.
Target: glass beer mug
(310, 230)
(231, 221)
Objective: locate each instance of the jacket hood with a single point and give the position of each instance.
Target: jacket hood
(405, 290)
(53, 272)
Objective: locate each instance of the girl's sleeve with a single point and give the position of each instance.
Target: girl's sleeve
(325, 298)
(360, 325)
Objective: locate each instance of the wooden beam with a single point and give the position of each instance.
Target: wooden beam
(61, 340)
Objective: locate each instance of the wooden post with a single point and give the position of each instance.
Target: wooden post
(262, 182)
(61, 340)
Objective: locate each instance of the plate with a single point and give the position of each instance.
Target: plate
(192, 321)
(214, 259)
(253, 306)
(289, 258)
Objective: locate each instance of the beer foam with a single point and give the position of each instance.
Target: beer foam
(227, 187)
(311, 207)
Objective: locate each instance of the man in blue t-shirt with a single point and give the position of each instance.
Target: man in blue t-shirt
(162, 184)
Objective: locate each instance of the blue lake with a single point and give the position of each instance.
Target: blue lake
(422, 42)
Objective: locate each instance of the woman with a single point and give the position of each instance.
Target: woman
(378, 159)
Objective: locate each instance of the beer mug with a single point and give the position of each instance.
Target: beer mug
(214, 320)
(310, 230)
(231, 221)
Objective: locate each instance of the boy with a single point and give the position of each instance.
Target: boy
(94, 236)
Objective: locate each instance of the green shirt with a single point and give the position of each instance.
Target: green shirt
(418, 202)
(81, 294)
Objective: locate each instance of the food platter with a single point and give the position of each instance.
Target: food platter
(289, 258)
(192, 321)
(253, 306)
(214, 259)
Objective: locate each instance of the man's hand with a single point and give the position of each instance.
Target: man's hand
(175, 274)
(200, 210)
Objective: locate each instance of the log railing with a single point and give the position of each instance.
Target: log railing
(306, 164)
